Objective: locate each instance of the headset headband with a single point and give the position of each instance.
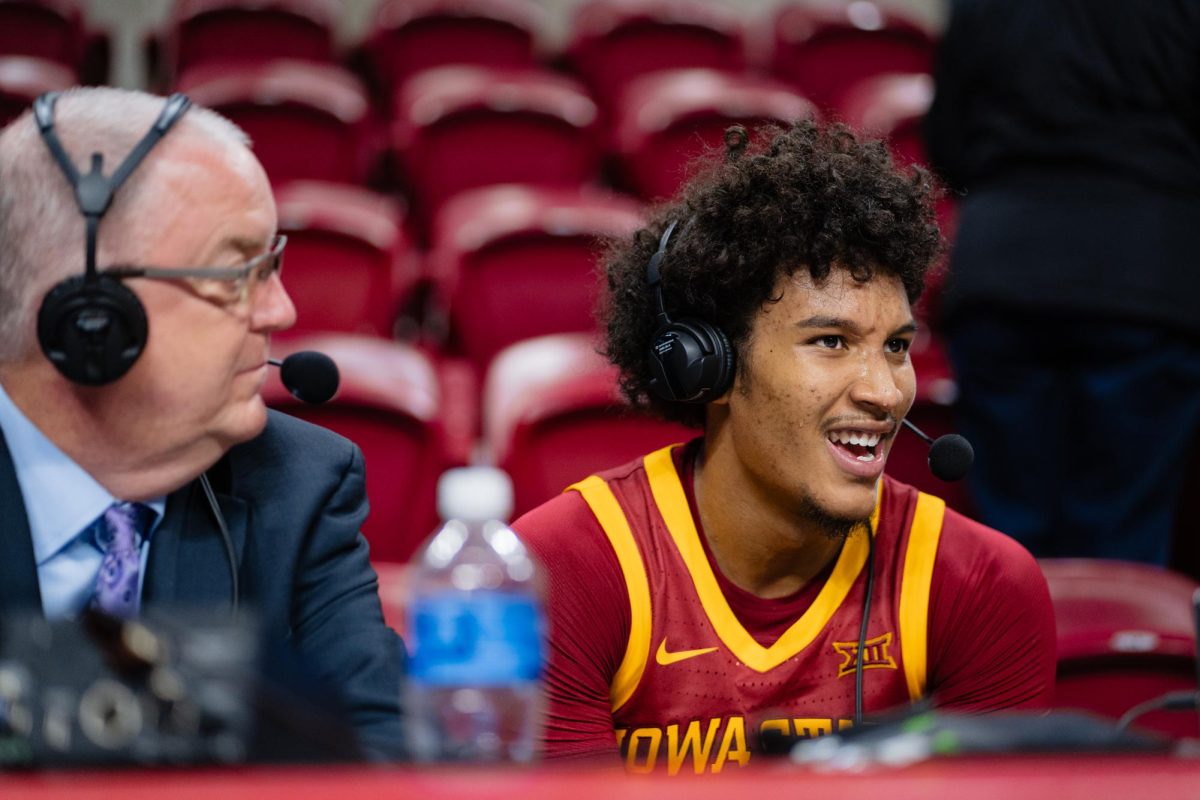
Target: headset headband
(94, 191)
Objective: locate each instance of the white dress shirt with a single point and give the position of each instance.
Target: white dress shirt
(61, 500)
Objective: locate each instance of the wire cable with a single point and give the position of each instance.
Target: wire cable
(1185, 700)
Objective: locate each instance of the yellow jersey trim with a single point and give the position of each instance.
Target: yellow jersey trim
(604, 505)
(919, 559)
(672, 503)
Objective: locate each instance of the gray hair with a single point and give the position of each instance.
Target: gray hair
(41, 228)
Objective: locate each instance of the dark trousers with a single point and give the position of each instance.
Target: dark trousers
(1082, 429)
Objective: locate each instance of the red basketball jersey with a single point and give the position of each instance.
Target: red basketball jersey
(695, 691)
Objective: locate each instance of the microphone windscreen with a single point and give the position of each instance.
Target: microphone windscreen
(310, 376)
(950, 457)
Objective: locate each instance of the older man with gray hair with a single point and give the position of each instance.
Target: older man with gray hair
(139, 467)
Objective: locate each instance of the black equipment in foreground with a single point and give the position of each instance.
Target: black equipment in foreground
(189, 688)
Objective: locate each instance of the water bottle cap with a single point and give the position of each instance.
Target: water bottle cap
(475, 493)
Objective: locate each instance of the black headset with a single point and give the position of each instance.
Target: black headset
(691, 360)
(91, 326)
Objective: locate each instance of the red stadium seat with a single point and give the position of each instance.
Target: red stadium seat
(409, 36)
(1125, 635)
(460, 128)
(614, 42)
(668, 119)
(48, 29)
(349, 264)
(515, 262)
(553, 415)
(391, 404)
(307, 121)
(23, 78)
(245, 32)
(825, 49)
(933, 413)
(891, 107)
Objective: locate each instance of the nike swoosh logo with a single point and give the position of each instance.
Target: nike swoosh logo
(665, 658)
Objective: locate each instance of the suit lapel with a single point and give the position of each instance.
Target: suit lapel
(188, 563)
(18, 566)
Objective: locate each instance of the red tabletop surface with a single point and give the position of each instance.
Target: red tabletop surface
(1091, 777)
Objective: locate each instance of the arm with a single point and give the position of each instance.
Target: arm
(991, 623)
(588, 610)
(337, 623)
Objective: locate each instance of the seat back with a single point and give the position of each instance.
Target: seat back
(47, 29)
(292, 110)
(666, 121)
(825, 49)
(251, 32)
(517, 262)
(349, 265)
(892, 107)
(459, 128)
(409, 36)
(615, 42)
(1126, 634)
(553, 415)
(390, 405)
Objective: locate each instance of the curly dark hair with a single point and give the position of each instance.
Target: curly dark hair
(807, 196)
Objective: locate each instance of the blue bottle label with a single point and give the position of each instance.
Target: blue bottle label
(475, 639)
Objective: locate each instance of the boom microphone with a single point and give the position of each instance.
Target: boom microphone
(310, 376)
(950, 456)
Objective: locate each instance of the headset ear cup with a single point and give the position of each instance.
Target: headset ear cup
(691, 362)
(723, 381)
(92, 330)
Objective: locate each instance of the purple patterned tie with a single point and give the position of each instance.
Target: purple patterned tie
(119, 533)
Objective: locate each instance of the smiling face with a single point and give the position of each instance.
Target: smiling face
(825, 380)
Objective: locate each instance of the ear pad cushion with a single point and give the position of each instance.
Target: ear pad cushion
(92, 330)
(691, 361)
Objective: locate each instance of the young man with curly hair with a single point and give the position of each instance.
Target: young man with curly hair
(767, 579)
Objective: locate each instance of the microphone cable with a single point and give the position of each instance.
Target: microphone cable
(862, 630)
(226, 539)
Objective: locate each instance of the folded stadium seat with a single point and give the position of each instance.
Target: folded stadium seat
(933, 413)
(891, 107)
(307, 121)
(243, 32)
(1126, 634)
(825, 49)
(23, 78)
(614, 42)
(459, 128)
(349, 265)
(552, 415)
(393, 405)
(668, 119)
(514, 262)
(410, 36)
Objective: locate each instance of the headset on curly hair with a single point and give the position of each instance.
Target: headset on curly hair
(691, 360)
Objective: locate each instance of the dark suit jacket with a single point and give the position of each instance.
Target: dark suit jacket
(293, 499)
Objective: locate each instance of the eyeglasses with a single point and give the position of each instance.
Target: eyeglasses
(222, 285)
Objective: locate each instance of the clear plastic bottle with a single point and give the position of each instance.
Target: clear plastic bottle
(475, 630)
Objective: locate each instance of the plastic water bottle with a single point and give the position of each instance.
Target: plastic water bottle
(475, 630)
